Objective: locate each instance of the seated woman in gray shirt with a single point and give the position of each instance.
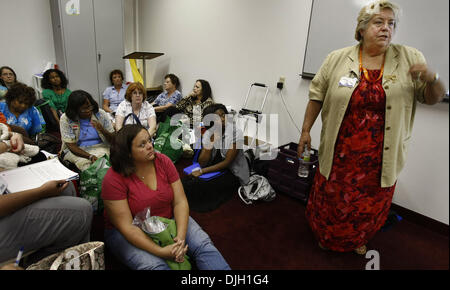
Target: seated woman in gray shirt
(43, 220)
(222, 151)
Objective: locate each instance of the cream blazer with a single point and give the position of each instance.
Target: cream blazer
(402, 94)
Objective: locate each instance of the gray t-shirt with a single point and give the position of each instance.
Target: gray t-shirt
(239, 166)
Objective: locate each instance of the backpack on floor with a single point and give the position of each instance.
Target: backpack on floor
(51, 124)
(258, 188)
(48, 142)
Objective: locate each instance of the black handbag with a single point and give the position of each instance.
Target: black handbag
(51, 124)
(48, 142)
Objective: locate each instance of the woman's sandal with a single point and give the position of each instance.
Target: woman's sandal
(361, 250)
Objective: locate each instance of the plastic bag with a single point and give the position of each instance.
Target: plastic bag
(162, 231)
(91, 183)
(166, 143)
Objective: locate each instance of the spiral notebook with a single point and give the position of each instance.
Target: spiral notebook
(205, 176)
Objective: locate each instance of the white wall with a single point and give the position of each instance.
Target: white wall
(129, 26)
(233, 43)
(423, 184)
(27, 37)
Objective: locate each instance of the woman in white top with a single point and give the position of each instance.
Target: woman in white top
(134, 109)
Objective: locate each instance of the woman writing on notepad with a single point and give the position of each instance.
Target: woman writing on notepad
(43, 220)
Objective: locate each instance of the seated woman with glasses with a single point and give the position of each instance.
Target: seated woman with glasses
(136, 110)
(86, 130)
(7, 78)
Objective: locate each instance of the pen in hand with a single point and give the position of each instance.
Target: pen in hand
(19, 256)
(62, 184)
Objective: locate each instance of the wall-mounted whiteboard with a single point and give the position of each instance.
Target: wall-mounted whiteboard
(423, 25)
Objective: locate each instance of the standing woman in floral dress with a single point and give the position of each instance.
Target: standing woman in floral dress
(367, 94)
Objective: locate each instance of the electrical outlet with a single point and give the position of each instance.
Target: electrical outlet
(280, 83)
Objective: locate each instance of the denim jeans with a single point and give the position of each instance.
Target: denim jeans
(200, 249)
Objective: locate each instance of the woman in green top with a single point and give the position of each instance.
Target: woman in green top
(54, 83)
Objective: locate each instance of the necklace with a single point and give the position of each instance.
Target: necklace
(144, 171)
(364, 71)
(139, 175)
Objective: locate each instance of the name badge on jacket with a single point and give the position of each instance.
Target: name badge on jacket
(75, 128)
(348, 82)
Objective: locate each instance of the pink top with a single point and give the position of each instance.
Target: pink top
(117, 187)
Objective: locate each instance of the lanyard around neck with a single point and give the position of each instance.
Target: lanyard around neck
(364, 70)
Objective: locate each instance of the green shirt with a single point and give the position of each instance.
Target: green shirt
(402, 93)
(57, 102)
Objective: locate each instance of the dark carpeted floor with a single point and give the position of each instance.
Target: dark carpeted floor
(275, 235)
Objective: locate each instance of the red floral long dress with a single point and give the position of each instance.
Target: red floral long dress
(346, 210)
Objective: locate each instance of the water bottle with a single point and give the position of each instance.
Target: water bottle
(202, 128)
(303, 167)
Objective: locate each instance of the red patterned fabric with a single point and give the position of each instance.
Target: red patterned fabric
(347, 210)
(3, 119)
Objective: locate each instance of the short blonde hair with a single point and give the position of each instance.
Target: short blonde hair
(368, 11)
(131, 88)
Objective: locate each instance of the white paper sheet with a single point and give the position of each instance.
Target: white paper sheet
(34, 175)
